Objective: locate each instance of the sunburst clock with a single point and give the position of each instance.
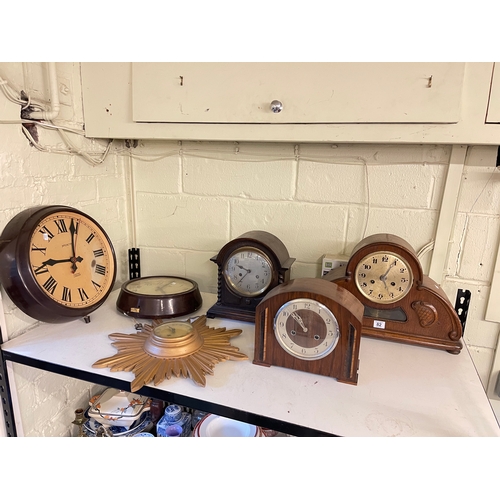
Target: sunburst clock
(171, 348)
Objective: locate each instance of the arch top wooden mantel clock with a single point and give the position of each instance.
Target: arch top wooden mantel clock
(249, 266)
(400, 302)
(310, 325)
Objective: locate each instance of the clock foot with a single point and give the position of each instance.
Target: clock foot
(86, 319)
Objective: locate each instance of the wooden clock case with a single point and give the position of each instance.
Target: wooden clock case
(343, 362)
(233, 306)
(423, 317)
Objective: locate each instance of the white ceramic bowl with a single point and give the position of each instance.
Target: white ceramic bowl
(118, 408)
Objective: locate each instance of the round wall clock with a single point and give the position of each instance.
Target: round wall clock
(56, 263)
(248, 267)
(309, 325)
(159, 297)
(400, 302)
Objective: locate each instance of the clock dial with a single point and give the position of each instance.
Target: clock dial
(71, 259)
(173, 329)
(160, 285)
(306, 329)
(248, 271)
(383, 277)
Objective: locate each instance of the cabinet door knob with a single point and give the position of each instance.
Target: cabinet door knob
(276, 106)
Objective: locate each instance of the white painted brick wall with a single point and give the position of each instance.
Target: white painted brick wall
(188, 199)
(28, 178)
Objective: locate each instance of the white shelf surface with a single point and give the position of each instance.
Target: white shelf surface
(402, 390)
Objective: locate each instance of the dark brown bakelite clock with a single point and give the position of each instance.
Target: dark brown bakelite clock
(400, 303)
(311, 325)
(57, 264)
(248, 267)
(157, 297)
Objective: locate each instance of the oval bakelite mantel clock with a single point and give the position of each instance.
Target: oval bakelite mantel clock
(57, 263)
(248, 267)
(311, 325)
(401, 304)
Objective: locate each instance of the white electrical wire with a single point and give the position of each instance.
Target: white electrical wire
(72, 149)
(44, 125)
(425, 249)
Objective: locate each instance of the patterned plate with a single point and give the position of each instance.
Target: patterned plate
(139, 425)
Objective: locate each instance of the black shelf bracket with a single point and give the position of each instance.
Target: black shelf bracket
(134, 263)
(462, 306)
(8, 413)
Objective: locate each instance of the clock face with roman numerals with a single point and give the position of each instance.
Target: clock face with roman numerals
(56, 263)
(71, 259)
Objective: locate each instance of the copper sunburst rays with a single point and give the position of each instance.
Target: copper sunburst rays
(171, 348)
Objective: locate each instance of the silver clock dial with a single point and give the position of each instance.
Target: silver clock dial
(306, 329)
(248, 272)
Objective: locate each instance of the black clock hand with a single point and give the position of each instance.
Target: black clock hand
(72, 230)
(247, 272)
(51, 262)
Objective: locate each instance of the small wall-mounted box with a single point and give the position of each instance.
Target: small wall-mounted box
(330, 261)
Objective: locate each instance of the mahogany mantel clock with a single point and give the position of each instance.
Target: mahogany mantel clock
(311, 325)
(248, 267)
(400, 303)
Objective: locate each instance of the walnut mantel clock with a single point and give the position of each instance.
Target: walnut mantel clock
(311, 325)
(57, 264)
(400, 302)
(248, 267)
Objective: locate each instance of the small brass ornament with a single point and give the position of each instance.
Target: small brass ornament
(79, 421)
(166, 348)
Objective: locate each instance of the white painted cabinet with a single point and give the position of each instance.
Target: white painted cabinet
(320, 102)
(308, 92)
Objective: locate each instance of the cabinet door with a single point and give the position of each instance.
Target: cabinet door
(309, 92)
